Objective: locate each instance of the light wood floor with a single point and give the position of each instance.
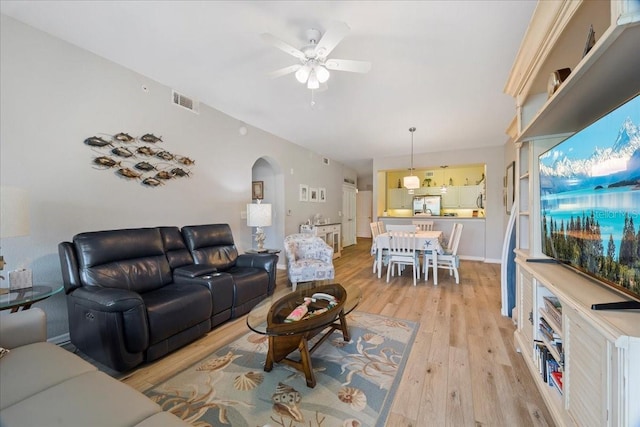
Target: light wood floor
(463, 369)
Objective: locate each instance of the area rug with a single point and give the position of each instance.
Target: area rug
(356, 381)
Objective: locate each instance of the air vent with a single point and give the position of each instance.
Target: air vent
(186, 102)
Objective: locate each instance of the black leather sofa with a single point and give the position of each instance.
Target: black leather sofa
(134, 295)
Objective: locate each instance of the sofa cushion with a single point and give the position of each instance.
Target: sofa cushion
(22, 377)
(132, 259)
(91, 399)
(177, 252)
(175, 308)
(211, 244)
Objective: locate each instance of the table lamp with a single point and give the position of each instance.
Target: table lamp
(14, 214)
(259, 215)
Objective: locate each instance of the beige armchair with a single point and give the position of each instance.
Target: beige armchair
(309, 258)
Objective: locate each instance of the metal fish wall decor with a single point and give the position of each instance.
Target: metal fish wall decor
(138, 159)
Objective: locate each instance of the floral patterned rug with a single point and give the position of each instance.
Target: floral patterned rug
(356, 381)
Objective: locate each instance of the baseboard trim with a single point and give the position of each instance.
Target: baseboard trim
(471, 258)
(493, 261)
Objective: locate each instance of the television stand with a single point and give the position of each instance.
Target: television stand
(620, 305)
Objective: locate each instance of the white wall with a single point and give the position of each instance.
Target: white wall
(493, 157)
(54, 95)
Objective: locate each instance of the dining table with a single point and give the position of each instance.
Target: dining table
(425, 241)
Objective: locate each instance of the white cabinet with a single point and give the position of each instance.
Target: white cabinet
(451, 199)
(469, 196)
(600, 349)
(399, 198)
(330, 233)
(601, 379)
(461, 196)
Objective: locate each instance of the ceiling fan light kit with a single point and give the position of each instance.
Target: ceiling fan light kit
(314, 65)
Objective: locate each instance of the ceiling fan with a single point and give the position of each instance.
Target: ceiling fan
(314, 65)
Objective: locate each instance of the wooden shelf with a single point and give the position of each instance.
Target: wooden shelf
(604, 79)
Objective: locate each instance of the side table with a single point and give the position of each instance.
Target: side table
(24, 298)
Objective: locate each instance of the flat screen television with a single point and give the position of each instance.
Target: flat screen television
(590, 201)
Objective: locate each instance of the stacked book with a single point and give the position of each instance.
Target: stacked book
(550, 335)
(549, 368)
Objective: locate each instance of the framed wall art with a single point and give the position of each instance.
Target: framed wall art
(304, 193)
(322, 194)
(257, 190)
(510, 181)
(313, 194)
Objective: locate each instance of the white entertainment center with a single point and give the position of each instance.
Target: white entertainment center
(598, 352)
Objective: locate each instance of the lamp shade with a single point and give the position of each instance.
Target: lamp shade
(14, 212)
(302, 75)
(411, 182)
(313, 82)
(259, 215)
(322, 73)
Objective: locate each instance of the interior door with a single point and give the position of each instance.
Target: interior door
(348, 215)
(364, 206)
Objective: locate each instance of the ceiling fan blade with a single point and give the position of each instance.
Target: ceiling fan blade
(284, 71)
(331, 38)
(274, 41)
(348, 65)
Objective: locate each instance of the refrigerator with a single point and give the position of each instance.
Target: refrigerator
(425, 205)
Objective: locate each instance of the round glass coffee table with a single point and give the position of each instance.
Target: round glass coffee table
(284, 338)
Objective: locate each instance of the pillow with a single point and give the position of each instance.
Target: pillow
(3, 351)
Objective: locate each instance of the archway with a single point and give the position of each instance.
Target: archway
(267, 170)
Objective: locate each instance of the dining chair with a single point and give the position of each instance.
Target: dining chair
(423, 225)
(375, 232)
(401, 227)
(402, 252)
(449, 259)
(381, 228)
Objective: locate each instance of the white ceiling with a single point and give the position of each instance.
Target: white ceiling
(438, 65)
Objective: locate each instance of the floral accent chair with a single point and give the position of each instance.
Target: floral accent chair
(308, 258)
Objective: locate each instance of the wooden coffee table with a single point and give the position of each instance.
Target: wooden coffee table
(285, 339)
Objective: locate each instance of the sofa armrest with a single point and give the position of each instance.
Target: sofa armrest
(107, 299)
(22, 328)
(263, 261)
(194, 270)
(326, 253)
(119, 314)
(267, 262)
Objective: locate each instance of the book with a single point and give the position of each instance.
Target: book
(556, 378)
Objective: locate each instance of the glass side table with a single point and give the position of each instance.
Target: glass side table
(17, 299)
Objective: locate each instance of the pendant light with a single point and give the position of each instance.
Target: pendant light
(443, 189)
(411, 182)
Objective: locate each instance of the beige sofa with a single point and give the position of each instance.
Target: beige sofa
(42, 384)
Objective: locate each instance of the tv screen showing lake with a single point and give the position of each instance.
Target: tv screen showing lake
(590, 199)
